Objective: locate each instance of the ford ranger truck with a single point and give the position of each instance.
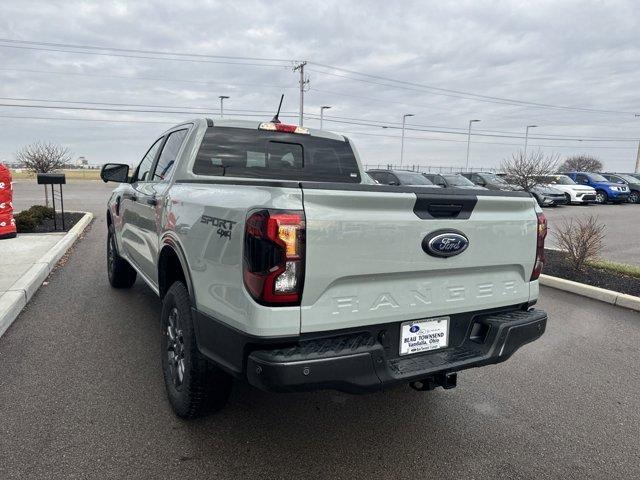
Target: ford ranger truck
(278, 262)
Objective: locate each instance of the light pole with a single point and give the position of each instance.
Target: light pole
(322, 109)
(404, 119)
(637, 169)
(526, 138)
(222, 99)
(469, 142)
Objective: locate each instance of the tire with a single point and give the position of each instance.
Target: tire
(121, 274)
(601, 197)
(195, 387)
(568, 197)
(634, 197)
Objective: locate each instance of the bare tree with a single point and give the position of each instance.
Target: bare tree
(43, 157)
(581, 163)
(529, 170)
(581, 239)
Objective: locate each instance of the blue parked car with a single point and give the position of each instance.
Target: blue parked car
(606, 191)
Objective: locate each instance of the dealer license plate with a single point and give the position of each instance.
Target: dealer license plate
(424, 335)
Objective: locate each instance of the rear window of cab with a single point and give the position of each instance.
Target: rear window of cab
(242, 152)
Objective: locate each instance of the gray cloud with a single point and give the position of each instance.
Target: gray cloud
(581, 54)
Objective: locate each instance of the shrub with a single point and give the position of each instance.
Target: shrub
(28, 220)
(581, 239)
(529, 170)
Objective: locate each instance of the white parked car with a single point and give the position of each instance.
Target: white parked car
(574, 192)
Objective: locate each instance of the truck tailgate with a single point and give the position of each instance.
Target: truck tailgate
(365, 263)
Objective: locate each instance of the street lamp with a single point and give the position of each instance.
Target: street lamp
(322, 109)
(404, 118)
(469, 142)
(222, 99)
(526, 138)
(637, 169)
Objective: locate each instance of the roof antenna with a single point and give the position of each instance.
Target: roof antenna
(275, 119)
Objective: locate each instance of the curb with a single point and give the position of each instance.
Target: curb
(608, 296)
(14, 300)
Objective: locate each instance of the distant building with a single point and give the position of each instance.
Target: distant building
(82, 162)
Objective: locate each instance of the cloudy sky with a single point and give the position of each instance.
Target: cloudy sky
(569, 67)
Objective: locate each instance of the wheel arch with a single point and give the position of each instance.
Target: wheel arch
(172, 266)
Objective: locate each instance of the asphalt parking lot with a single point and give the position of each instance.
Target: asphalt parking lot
(81, 396)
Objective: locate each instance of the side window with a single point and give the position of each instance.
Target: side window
(477, 179)
(142, 174)
(169, 155)
(382, 177)
(582, 179)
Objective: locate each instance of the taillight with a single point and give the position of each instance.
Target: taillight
(273, 259)
(541, 235)
(283, 127)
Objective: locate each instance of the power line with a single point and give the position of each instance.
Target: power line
(452, 130)
(462, 129)
(112, 104)
(122, 110)
(459, 93)
(240, 60)
(152, 52)
(355, 133)
(192, 60)
(29, 117)
(136, 108)
(479, 142)
(136, 77)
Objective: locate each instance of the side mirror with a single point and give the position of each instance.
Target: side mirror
(621, 181)
(115, 172)
(442, 184)
(482, 183)
(394, 183)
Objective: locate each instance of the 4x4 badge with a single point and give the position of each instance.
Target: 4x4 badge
(224, 226)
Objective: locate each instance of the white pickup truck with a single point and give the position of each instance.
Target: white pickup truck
(278, 262)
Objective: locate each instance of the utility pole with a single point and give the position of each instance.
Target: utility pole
(222, 99)
(404, 118)
(526, 138)
(322, 109)
(303, 82)
(637, 170)
(469, 143)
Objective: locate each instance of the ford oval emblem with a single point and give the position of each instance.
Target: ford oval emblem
(445, 243)
(414, 329)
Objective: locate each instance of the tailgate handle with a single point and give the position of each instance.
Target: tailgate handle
(444, 210)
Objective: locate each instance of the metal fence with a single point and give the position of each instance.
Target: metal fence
(430, 168)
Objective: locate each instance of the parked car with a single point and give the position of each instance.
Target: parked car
(574, 193)
(452, 180)
(277, 265)
(606, 191)
(630, 181)
(490, 181)
(547, 196)
(400, 177)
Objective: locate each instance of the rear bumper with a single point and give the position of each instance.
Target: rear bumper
(360, 362)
